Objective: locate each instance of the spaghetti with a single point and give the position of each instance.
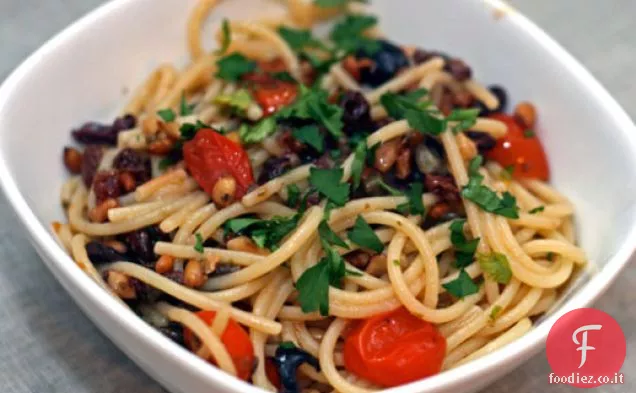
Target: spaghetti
(304, 212)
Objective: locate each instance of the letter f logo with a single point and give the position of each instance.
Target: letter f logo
(583, 344)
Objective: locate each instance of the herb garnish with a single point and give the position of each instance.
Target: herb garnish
(537, 209)
(293, 195)
(496, 267)
(185, 109)
(418, 114)
(265, 233)
(464, 249)
(335, 3)
(328, 235)
(313, 104)
(310, 134)
(506, 173)
(462, 286)
(413, 204)
(357, 166)
(237, 101)
(257, 132)
(327, 182)
(348, 34)
(486, 198)
(299, 39)
(465, 118)
(226, 37)
(494, 313)
(167, 115)
(198, 246)
(232, 67)
(362, 234)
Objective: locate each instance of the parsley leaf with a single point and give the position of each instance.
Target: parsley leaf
(362, 234)
(257, 132)
(537, 209)
(464, 249)
(414, 204)
(184, 108)
(348, 34)
(465, 118)
(167, 115)
(391, 190)
(329, 236)
(313, 288)
(287, 345)
(265, 233)
(226, 37)
(486, 198)
(494, 313)
(462, 286)
(188, 130)
(416, 113)
(549, 256)
(198, 246)
(506, 173)
(283, 76)
(233, 67)
(313, 104)
(310, 135)
(238, 101)
(327, 182)
(495, 266)
(298, 39)
(293, 195)
(357, 166)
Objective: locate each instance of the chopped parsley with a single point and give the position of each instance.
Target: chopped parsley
(465, 118)
(328, 235)
(486, 198)
(496, 267)
(506, 173)
(357, 166)
(287, 345)
(226, 37)
(327, 183)
(464, 249)
(416, 113)
(237, 101)
(283, 76)
(198, 246)
(494, 313)
(537, 209)
(265, 233)
(185, 109)
(167, 115)
(189, 130)
(293, 195)
(391, 190)
(529, 133)
(348, 34)
(462, 286)
(397, 262)
(413, 204)
(549, 256)
(298, 39)
(232, 67)
(362, 234)
(313, 104)
(257, 132)
(310, 135)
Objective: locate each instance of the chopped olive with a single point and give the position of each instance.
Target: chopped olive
(287, 359)
(385, 64)
(99, 253)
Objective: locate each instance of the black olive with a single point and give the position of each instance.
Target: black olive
(483, 141)
(140, 244)
(287, 359)
(501, 95)
(99, 253)
(103, 134)
(91, 159)
(274, 167)
(356, 114)
(387, 61)
(174, 331)
(131, 161)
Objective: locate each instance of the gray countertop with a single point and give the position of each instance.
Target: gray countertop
(48, 345)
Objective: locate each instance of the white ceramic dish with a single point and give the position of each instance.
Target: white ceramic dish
(80, 75)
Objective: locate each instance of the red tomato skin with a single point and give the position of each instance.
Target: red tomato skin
(210, 156)
(272, 373)
(236, 341)
(524, 153)
(270, 93)
(394, 349)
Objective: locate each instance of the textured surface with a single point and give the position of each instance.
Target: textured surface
(47, 345)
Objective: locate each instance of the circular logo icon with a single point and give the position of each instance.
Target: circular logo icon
(585, 348)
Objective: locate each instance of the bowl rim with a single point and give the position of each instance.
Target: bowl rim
(44, 241)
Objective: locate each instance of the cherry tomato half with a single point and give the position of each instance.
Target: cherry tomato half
(236, 341)
(210, 156)
(520, 149)
(394, 348)
(271, 93)
(272, 373)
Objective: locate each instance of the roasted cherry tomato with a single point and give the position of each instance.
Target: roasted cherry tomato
(270, 93)
(520, 148)
(210, 156)
(272, 373)
(236, 341)
(394, 348)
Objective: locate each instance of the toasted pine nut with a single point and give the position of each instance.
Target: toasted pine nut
(223, 193)
(386, 155)
(467, 147)
(160, 146)
(100, 212)
(150, 125)
(245, 244)
(193, 275)
(73, 160)
(377, 265)
(164, 264)
(120, 284)
(234, 137)
(209, 263)
(526, 114)
(117, 245)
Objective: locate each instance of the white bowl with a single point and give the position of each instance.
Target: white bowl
(82, 72)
